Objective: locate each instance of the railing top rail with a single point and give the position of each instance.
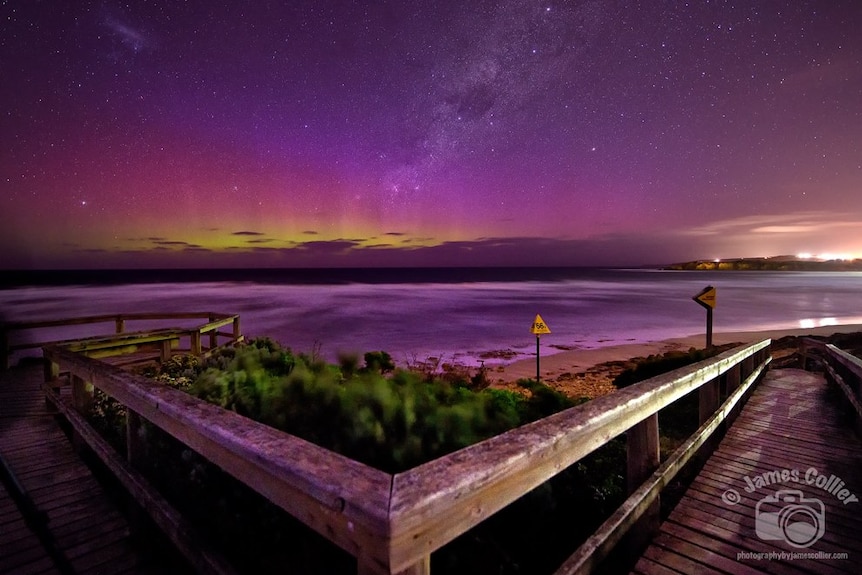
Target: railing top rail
(847, 359)
(118, 336)
(835, 353)
(439, 500)
(396, 520)
(343, 499)
(808, 341)
(217, 323)
(853, 365)
(119, 340)
(20, 325)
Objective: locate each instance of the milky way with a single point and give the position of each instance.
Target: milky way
(428, 133)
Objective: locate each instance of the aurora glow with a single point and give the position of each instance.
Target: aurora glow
(237, 134)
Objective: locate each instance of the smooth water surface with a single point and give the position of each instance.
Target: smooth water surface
(461, 320)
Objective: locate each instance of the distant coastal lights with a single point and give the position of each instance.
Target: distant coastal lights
(822, 322)
(825, 257)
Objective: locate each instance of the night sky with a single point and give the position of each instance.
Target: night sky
(405, 133)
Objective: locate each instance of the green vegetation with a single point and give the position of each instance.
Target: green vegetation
(389, 418)
(392, 419)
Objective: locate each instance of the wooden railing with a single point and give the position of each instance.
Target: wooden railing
(392, 523)
(841, 368)
(120, 341)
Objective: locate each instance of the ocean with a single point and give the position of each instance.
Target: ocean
(458, 315)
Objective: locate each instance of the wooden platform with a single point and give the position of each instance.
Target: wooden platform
(794, 425)
(84, 532)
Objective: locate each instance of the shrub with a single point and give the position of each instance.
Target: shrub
(391, 422)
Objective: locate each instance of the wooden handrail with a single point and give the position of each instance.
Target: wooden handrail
(435, 502)
(852, 365)
(345, 501)
(850, 361)
(598, 546)
(120, 337)
(392, 523)
(203, 557)
(115, 317)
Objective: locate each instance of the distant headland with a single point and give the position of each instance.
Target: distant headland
(776, 263)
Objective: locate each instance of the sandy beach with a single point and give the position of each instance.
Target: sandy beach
(590, 372)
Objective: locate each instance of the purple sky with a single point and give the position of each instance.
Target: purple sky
(223, 134)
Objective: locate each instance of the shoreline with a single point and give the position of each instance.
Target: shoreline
(590, 372)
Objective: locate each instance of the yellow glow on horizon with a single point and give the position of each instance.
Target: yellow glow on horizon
(240, 238)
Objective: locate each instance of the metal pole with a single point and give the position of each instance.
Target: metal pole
(538, 372)
(709, 327)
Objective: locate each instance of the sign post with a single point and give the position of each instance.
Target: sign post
(539, 327)
(706, 298)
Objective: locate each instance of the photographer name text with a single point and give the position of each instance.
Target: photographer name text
(830, 484)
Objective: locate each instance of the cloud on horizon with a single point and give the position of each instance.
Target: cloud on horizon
(795, 223)
(748, 236)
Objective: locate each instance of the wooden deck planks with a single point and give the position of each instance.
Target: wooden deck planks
(791, 423)
(91, 534)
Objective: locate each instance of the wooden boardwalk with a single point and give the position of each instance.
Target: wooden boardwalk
(785, 481)
(73, 526)
(740, 515)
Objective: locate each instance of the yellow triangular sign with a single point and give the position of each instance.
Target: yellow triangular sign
(539, 326)
(706, 297)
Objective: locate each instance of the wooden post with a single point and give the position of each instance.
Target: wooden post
(196, 343)
(236, 331)
(120, 324)
(165, 350)
(52, 378)
(747, 366)
(213, 334)
(642, 451)
(51, 370)
(708, 400)
(82, 400)
(732, 383)
(733, 379)
(82, 394)
(134, 443)
(643, 457)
